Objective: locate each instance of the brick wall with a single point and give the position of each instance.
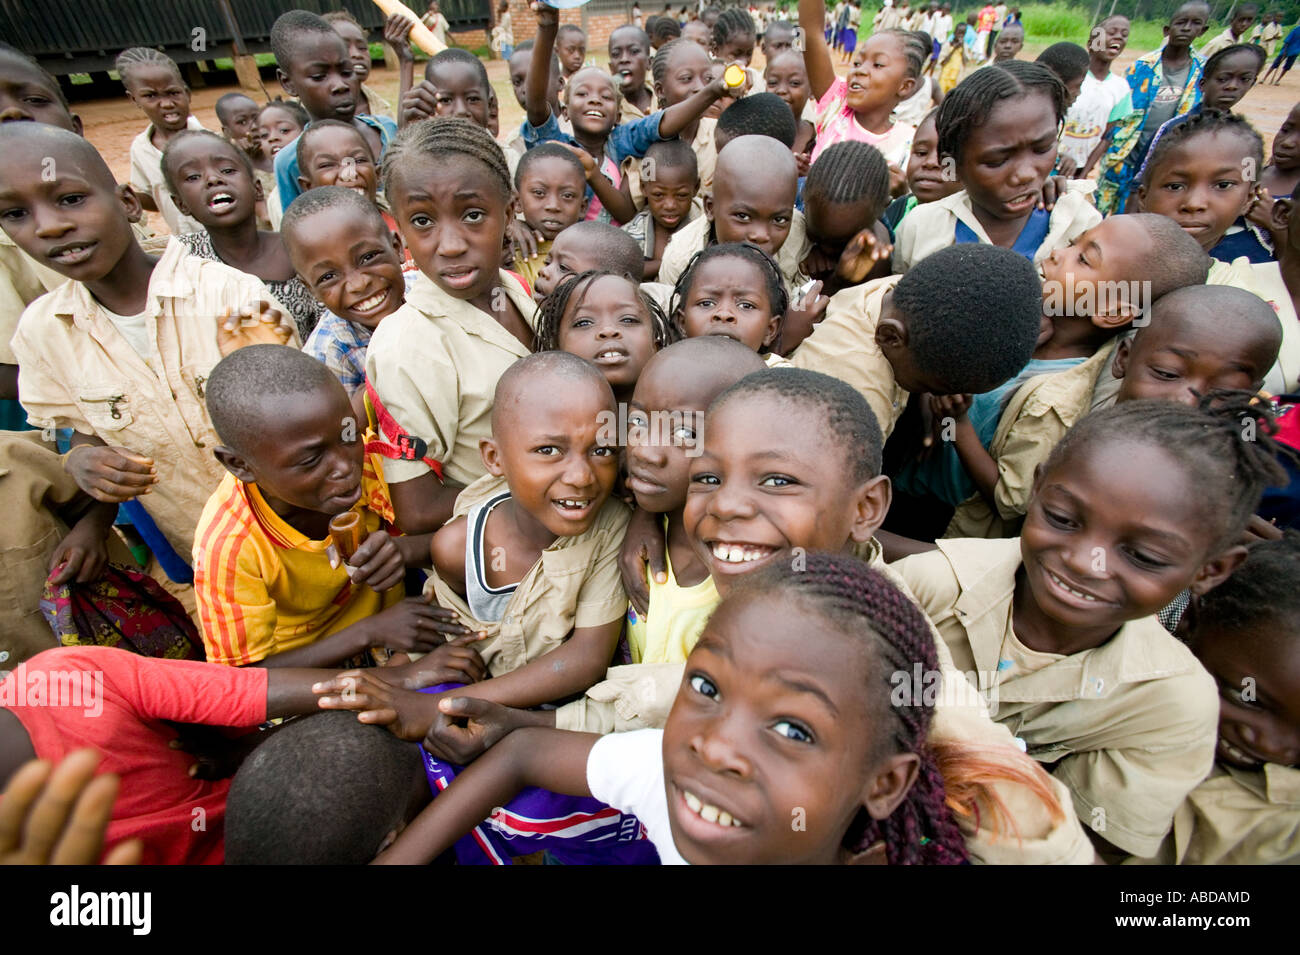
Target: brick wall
(598, 23)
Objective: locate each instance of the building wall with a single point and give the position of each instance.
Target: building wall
(599, 19)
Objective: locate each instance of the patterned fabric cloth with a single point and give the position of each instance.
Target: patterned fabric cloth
(341, 346)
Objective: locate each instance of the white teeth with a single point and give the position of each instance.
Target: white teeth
(724, 819)
(1068, 589)
(738, 554)
(572, 504)
(693, 802)
(371, 303)
(709, 813)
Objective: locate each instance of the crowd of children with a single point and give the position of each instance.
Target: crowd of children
(727, 441)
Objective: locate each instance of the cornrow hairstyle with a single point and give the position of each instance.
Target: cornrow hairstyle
(862, 605)
(290, 106)
(55, 88)
(549, 151)
(314, 129)
(766, 265)
(573, 290)
(446, 137)
(973, 314)
(1226, 443)
(189, 135)
(1208, 121)
(731, 22)
(137, 56)
(1068, 61)
(293, 28)
(1261, 591)
(850, 172)
(848, 416)
(914, 49)
(663, 31)
(1215, 61)
(455, 54)
(973, 100)
(758, 114)
(663, 54)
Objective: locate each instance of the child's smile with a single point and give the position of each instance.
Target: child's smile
(1259, 711)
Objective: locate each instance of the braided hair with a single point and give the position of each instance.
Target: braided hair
(144, 56)
(572, 290)
(663, 30)
(660, 63)
(1227, 443)
(972, 102)
(1208, 121)
(915, 45)
(850, 172)
(733, 21)
(776, 293)
(446, 137)
(862, 604)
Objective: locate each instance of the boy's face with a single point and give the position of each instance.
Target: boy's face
(787, 77)
(550, 447)
(1187, 24)
(552, 195)
(728, 296)
(764, 717)
(1259, 695)
(759, 490)
(519, 76)
(1241, 23)
(460, 92)
(697, 31)
(591, 102)
(78, 224)
(1008, 45)
(925, 171)
(322, 78)
(212, 182)
(277, 128)
(307, 455)
(669, 195)
(757, 209)
(1109, 255)
(689, 71)
(568, 256)
(240, 125)
(353, 268)
(571, 48)
(1232, 78)
(1110, 40)
(26, 94)
(776, 41)
(358, 47)
(607, 324)
(1006, 160)
(1181, 356)
(161, 94)
(338, 157)
(629, 58)
(891, 337)
(1201, 184)
(1286, 144)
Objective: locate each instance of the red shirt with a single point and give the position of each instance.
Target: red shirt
(115, 701)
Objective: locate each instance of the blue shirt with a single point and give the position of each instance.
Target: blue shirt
(286, 160)
(1291, 45)
(1027, 243)
(625, 139)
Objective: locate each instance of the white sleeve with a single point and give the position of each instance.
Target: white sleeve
(626, 770)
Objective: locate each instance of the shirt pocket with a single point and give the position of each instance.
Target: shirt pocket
(195, 378)
(108, 408)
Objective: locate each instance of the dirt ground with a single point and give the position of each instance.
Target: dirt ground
(111, 124)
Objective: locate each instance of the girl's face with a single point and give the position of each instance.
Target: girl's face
(1108, 43)
(452, 214)
(161, 94)
(689, 71)
(278, 128)
(338, 157)
(739, 48)
(925, 173)
(591, 101)
(552, 195)
(728, 296)
(772, 706)
(1232, 78)
(787, 77)
(607, 324)
(1286, 144)
(878, 75)
(1202, 184)
(212, 182)
(1006, 160)
(358, 47)
(1098, 551)
(1262, 726)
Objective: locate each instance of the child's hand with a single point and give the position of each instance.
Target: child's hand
(643, 543)
(588, 161)
(861, 256)
(377, 564)
(801, 316)
(897, 181)
(256, 324)
(801, 163)
(949, 406)
(59, 815)
(548, 17)
(456, 661)
(719, 83)
(484, 724)
(1260, 211)
(81, 556)
(1066, 167)
(397, 32)
(420, 102)
(407, 715)
(416, 624)
(1053, 189)
(111, 475)
(523, 240)
(1258, 529)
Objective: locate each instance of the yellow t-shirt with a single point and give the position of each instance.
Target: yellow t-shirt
(263, 587)
(675, 619)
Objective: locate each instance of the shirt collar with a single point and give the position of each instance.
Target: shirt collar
(432, 301)
(73, 302)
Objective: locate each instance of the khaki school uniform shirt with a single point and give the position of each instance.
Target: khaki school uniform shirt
(843, 345)
(1237, 817)
(931, 226)
(147, 177)
(1284, 377)
(641, 695)
(1032, 424)
(1129, 727)
(575, 585)
(693, 237)
(78, 371)
(435, 364)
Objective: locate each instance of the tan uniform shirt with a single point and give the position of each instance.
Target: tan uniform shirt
(694, 236)
(147, 177)
(78, 371)
(1129, 727)
(22, 281)
(843, 345)
(435, 363)
(575, 585)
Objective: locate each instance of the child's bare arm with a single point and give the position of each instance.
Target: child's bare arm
(422, 505)
(549, 758)
(816, 54)
(951, 410)
(397, 32)
(619, 203)
(539, 68)
(83, 552)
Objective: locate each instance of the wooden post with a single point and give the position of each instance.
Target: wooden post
(245, 65)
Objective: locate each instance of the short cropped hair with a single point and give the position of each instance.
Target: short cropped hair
(759, 114)
(617, 251)
(456, 55)
(239, 385)
(1068, 61)
(549, 151)
(316, 200)
(293, 28)
(189, 135)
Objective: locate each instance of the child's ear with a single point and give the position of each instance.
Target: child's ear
(773, 330)
(891, 334)
(396, 239)
(259, 194)
(303, 183)
(1122, 314)
(888, 785)
(126, 194)
(907, 88)
(1217, 569)
(870, 504)
(76, 124)
(1119, 365)
(1142, 198)
(490, 451)
(235, 463)
(179, 203)
(708, 205)
(659, 95)
(286, 84)
(1280, 216)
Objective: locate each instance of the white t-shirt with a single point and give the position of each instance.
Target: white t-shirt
(626, 770)
(134, 329)
(1087, 118)
(941, 27)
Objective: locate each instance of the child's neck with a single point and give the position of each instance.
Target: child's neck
(161, 137)
(1072, 337)
(594, 143)
(1099, 68)
(310, 524)
(875, 119)
(1289, 263)
(1176, 56)
(688, 569)
(125, 289)
(238, 243)
(1044, 634)
(521, 533)
(496, 303)
(639, 96)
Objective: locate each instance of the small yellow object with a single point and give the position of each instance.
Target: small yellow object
(734, 77)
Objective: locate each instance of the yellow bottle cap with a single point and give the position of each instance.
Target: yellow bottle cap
(734, 77)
